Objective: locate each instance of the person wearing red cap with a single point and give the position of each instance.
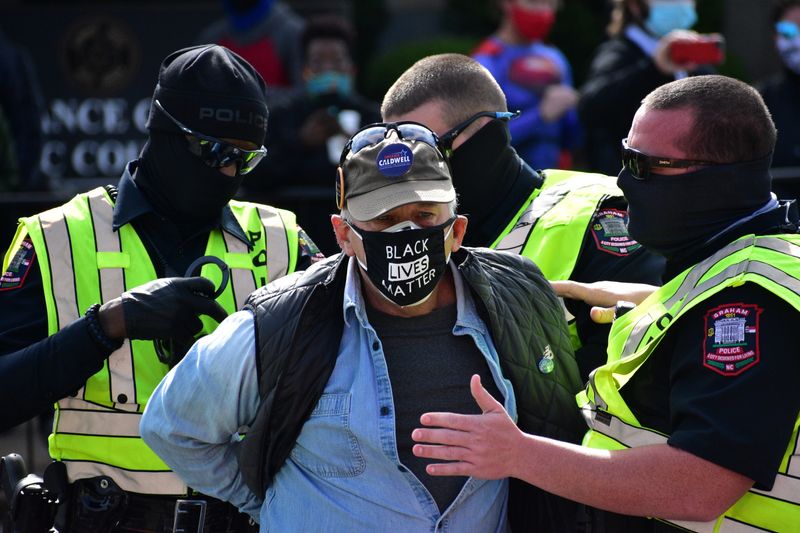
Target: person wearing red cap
(120, 253)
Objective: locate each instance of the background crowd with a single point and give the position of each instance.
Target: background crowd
(576, 69)
(571, 95)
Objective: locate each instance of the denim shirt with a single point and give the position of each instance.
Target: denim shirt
(343, 473)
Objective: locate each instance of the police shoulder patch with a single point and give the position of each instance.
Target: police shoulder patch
(610, 232)
(308, 247)
(731, 338)
(18, 267)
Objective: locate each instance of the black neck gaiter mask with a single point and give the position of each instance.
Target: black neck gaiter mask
(485, 169)
(671, 215)
(179, 185)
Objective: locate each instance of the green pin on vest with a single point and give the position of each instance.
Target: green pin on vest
(547, 363)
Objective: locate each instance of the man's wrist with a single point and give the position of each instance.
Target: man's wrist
(97, 333)
(112, 319)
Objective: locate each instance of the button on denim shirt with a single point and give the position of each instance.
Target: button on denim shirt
(343, 473)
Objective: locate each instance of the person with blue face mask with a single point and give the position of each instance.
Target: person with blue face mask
(309, 131)
(633, 62)
(782, 91)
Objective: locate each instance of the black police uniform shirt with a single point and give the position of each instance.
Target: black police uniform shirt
(603, 258)
(34, 374)
(740, 418)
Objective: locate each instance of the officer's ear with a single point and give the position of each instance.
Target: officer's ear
(344, 235)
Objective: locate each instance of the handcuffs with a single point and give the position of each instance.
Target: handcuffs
(167, 350)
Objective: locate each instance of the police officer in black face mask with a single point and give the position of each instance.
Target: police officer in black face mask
(119, 254)
(694, 417)
(573, 225)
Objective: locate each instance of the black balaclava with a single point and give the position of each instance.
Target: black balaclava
(212, 91)
(485, 170)
(672, 215)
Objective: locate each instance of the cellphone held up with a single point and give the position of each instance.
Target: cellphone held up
(706, 49)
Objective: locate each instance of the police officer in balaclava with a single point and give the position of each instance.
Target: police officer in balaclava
(99, 297)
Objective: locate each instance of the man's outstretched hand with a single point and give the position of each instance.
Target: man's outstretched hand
(483, 446)
(603, 295)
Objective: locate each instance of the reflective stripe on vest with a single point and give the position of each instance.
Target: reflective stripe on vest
(551, 226)
(96, 432)
(773, 262)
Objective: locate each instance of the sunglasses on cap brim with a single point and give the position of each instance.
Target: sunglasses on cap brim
(215, 152)
(640, 164)
(372, 134)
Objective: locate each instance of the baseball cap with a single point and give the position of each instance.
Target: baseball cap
(391, 173)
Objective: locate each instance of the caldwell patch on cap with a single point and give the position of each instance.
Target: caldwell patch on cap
(395, 160)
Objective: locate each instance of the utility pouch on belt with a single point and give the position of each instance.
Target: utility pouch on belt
(32, 506)
(96, 504)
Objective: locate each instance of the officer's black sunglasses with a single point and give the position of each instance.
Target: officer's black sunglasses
(446, 140)
(639, 164)
(215, 152)
(372, 134)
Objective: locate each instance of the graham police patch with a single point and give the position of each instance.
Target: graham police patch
(18, 267)
(610, 232)
(731, 338)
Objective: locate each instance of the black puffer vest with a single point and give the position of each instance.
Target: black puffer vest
(299, 324)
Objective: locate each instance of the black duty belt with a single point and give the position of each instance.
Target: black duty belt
(97, 505)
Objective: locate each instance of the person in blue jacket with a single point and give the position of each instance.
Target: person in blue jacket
(537, 79)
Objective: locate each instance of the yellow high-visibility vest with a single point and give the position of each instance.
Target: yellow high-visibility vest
(84, 261)
(773, 262)
(550, 226)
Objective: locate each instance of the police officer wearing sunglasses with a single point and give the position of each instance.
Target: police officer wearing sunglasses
(330, 368)
(573, 225)
(694, 418)
(89, 289)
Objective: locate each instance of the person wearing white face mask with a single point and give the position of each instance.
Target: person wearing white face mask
(782, 92)
(330, 371)
(634, 61)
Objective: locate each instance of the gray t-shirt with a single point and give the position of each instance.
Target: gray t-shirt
(429, 369)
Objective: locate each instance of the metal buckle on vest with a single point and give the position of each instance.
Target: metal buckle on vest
(190, 516)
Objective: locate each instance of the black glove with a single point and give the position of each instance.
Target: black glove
(168, 308)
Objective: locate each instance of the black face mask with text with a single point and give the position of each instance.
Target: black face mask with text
(405, 262)
(671, 215)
